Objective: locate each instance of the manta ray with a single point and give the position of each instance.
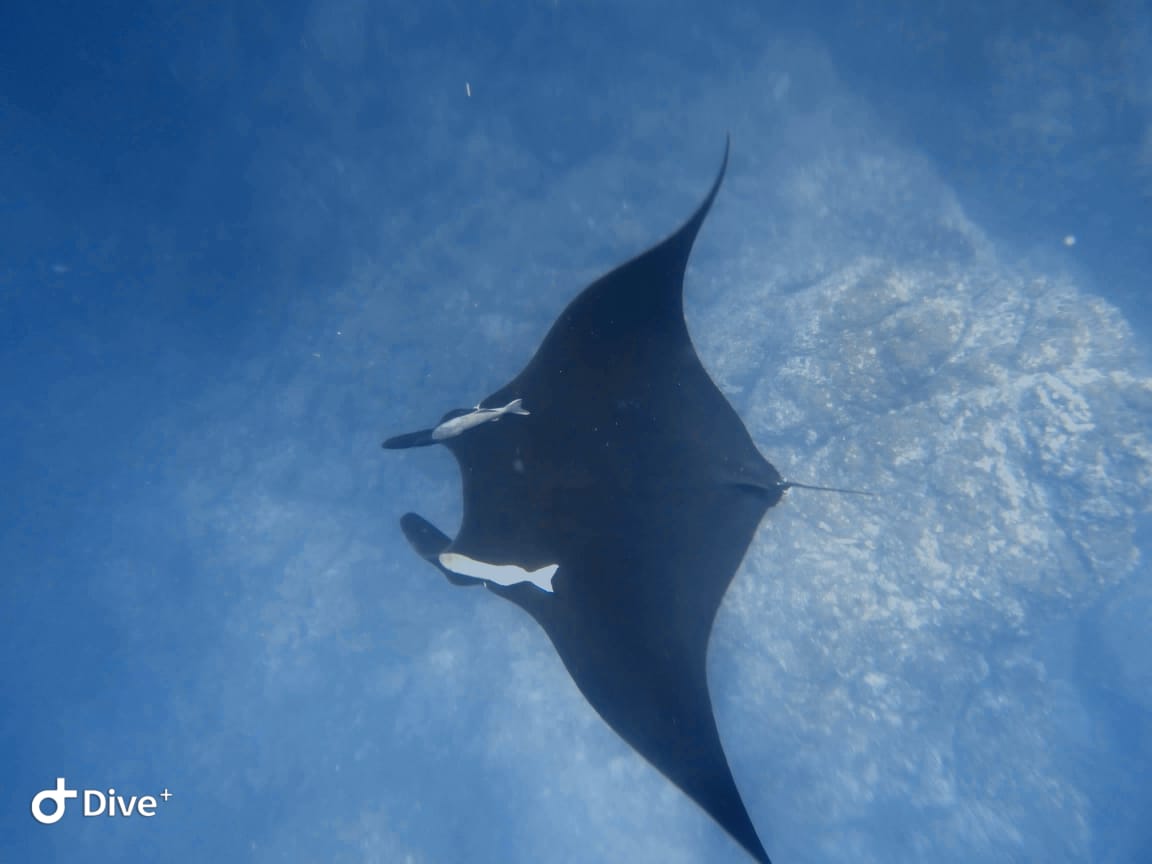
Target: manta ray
(611, 492)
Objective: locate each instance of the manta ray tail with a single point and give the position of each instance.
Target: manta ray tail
(789, 484)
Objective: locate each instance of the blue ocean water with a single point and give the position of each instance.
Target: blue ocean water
(243, 243)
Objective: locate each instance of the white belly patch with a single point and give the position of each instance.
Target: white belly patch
(500, 574)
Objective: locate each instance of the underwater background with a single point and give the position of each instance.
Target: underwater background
(241, 243)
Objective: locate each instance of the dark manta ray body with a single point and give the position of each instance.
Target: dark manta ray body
(611, 491)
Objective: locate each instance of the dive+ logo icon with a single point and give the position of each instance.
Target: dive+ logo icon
(96, 803)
